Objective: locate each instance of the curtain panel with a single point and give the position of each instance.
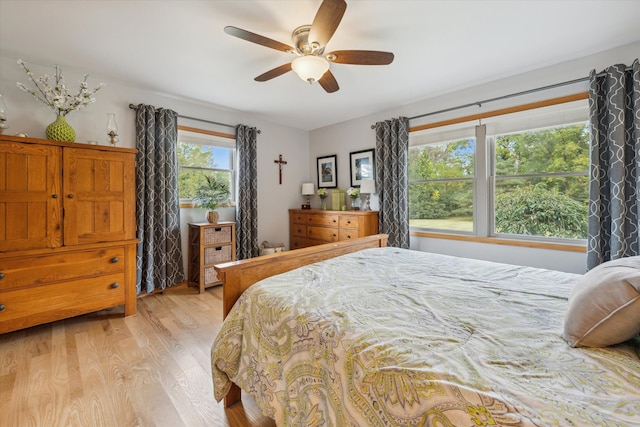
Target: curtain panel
(614, 104)
(392, 150)
(247, 197)
(159, 255)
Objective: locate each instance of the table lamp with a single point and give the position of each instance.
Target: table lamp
(308, 190)
(368, 187)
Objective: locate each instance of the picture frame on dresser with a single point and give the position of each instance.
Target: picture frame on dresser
(362, 166)
(328, 171)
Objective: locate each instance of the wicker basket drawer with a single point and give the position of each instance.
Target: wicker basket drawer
(217, 254)
(210, 276)
(213, 235)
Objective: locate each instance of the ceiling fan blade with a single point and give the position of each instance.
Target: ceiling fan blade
(328, 82)
(272, 74)
(360, 57)
(258, 39)
(326, 21)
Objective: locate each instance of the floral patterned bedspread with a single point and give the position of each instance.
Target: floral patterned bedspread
(393, 337)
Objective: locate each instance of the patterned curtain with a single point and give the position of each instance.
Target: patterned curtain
(614, 103)
(159, 257)
(392, 150)
(247, 200)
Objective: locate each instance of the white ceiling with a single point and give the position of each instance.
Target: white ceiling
(178, 47)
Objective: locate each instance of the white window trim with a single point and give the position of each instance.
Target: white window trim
(484, 162)
(193, 137)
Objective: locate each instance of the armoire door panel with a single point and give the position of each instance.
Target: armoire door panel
(99, 192)
(30, 203)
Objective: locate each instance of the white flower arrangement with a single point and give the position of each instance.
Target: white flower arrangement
(322, 192)
(353, 192)
(57, 96)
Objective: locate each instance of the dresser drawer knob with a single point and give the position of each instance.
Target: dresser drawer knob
(54, 196)
(348, 222)
(1, 275)
(71, 196)
(218, 229)
(219, 248)
(114, 259)
(1, 307)
(114, 285)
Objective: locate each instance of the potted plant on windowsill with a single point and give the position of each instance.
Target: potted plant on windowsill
(210, 194)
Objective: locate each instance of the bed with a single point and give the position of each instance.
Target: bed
(379, 336)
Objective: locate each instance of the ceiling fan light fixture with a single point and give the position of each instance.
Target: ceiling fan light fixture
(310, 68)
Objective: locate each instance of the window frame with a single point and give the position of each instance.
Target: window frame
(211, 139)
(484, 191)
(472, 179)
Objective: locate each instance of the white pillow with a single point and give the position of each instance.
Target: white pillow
(604, 306)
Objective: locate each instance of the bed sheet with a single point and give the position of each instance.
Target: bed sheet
(394, 337)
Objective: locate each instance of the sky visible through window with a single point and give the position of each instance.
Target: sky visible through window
(221, 156)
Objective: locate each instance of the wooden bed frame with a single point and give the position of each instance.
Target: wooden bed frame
(237, 276)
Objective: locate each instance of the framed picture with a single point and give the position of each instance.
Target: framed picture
(328, 171)
(363, 166)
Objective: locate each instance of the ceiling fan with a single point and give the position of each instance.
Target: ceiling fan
(312, 64)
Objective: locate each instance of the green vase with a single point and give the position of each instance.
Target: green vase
(60, 130)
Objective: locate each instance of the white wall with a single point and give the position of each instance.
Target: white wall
(26, 115)
(354, 135)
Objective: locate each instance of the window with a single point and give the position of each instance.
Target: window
(541, 182)
(200, 154)
(441, 184)
(519, 175)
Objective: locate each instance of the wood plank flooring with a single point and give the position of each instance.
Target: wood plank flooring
(101, 369)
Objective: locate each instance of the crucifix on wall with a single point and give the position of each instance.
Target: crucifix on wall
(280, 162)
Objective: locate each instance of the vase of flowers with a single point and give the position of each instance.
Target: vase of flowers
(322, 193)
(354, 193)
(56, 95)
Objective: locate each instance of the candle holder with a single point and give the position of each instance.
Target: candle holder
(3, 115)
(112, 129)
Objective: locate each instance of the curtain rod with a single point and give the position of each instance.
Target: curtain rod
(511, 95)
(133, 107)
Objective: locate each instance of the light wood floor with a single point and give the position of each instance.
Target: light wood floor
(101, 369)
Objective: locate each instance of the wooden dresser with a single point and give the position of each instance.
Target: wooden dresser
(67, 230)
(308, 227)
(209, 244)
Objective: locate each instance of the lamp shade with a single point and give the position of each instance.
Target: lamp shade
(310, 68)
(307, 189)
(368, 186)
